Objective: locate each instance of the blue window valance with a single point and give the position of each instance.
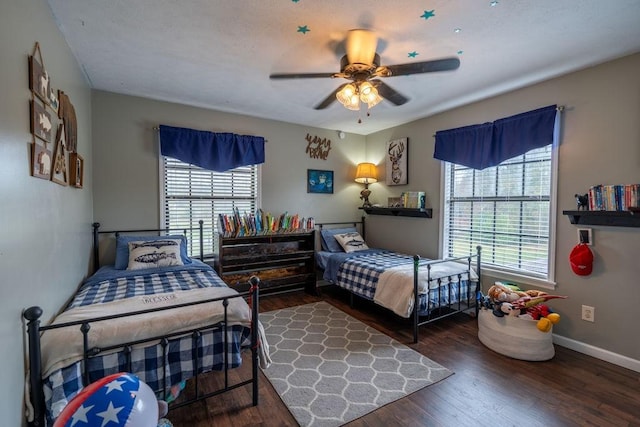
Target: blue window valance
(489, 144)
(210, 150)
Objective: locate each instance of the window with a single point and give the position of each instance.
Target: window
(191, 194)
(506, 209)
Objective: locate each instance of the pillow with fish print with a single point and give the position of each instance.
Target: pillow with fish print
(154, 253)
(122, 248)
(351, 242)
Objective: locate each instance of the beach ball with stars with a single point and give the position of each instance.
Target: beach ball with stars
(116, 400)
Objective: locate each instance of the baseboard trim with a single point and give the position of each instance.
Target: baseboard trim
(599, 353)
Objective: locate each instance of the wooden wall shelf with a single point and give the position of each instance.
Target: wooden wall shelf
(610, 218)
(417, 213)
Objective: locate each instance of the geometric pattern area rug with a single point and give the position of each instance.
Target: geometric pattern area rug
(329, 368)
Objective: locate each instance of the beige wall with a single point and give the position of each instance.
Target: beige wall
(45, 245)
(126, 182)
(600, 145)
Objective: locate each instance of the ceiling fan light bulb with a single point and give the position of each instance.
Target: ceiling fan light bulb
(370, 96)
(373, 100)
(361, 46)
(366, 88)
(354, 102)
(345, 94)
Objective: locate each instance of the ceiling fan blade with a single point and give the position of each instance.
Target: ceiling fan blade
(300, 76)
(329, 99)
(361, 46)
(445, 64)
(389, 93)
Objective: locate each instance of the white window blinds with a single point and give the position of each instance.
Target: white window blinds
(191, 194)
(506, 209)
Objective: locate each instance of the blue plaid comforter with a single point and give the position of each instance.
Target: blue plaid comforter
(358, 272)
(109, 285)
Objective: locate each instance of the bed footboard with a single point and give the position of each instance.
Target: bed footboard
(34, 330)
(448, 309)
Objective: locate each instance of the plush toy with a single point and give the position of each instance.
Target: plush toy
(501, 293)
(535, 293)
(527, 301)
(504, 308)
(543, 314)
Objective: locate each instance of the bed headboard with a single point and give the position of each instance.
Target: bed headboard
(97, 233)
(359, 225)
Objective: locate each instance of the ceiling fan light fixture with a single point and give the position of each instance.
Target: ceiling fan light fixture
(373, 100)
(369, 94)
(366, 89)
(353, 103)
(348, 96)
(344, 95)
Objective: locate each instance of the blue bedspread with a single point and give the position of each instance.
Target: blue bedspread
(109, 285)
(358, 272)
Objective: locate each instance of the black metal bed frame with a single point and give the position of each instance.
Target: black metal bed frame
(34, 330)
(471, 301)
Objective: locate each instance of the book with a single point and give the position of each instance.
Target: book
(260, 222)
(414, 199)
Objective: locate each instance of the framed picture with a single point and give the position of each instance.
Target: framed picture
(38, 77)
(41, 124)
(40, 161)
(76, 170)
(59, 165)
(396, 162)
(319, 181)
(394, 202)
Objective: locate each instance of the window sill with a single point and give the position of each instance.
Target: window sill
(517, 279)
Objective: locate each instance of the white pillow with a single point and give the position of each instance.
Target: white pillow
(150, 254)
(351, 242)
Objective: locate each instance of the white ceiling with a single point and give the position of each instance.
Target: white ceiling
(218, 54)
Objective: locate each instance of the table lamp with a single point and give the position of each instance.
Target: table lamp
(366, 174)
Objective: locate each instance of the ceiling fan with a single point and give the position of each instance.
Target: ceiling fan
(361, 65)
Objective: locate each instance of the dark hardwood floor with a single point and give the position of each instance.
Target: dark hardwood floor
(487, 389)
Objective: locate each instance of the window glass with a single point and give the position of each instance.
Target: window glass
(191, 194)
(505, 209)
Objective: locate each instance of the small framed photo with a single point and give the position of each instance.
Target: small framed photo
(40, 161)
(38, 77)
(396, 162)
(76, 169)
(394, 202)
(319, 181)
(41, 123)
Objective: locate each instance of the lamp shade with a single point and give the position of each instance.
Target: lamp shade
(366, 173)
(361, 46)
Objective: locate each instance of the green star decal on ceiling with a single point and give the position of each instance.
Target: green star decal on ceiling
(413, 54)
(428, 14)
(303, 29)
(295, 1)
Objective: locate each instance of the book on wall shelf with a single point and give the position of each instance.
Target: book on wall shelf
(262, 223)
(413, 199)
(614, 197)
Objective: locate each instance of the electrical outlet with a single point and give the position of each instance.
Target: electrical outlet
(585, 235)
(588, 313)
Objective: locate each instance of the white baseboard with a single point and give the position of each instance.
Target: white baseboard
(599, 353)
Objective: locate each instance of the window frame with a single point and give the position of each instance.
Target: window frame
(505, 273)
(194, 251)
